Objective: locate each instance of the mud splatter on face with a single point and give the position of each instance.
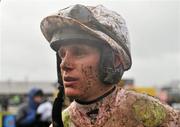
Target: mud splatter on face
(81, 63)
(90, 76)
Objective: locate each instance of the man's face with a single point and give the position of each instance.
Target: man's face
(79, 70)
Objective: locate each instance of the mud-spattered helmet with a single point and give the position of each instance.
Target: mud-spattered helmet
(97, 24)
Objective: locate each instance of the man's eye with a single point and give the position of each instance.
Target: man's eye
(79, 52)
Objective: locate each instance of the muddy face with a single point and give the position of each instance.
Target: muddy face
(90, 77)
(79, 69)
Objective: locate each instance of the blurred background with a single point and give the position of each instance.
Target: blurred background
(26, 60)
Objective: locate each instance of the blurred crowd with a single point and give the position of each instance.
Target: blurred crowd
(35, 112)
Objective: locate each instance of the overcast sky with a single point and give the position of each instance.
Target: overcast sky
(154, 32)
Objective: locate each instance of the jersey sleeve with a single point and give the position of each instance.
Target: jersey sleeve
(150, 112)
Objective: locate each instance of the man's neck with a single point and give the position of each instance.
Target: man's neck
(106, 93)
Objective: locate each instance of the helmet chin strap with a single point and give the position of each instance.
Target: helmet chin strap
(58, 102)
(57, 108)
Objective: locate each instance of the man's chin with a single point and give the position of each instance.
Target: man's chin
(72, 94)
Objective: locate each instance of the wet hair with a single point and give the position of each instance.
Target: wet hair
(109, 74)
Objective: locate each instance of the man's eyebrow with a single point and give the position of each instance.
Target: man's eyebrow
(77, 47)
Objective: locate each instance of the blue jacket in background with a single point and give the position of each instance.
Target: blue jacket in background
(26, 115)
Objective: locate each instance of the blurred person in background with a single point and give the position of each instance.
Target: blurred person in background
(26, 115)
(163, 96)
(4, 103)
(44, 114)
(92, 48)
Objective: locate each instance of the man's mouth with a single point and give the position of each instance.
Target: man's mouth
(69, 81)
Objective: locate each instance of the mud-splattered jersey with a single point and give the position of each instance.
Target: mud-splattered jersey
(122, 108)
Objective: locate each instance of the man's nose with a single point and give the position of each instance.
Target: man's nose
(67, 63)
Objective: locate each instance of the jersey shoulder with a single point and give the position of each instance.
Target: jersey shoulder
(147, 110)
